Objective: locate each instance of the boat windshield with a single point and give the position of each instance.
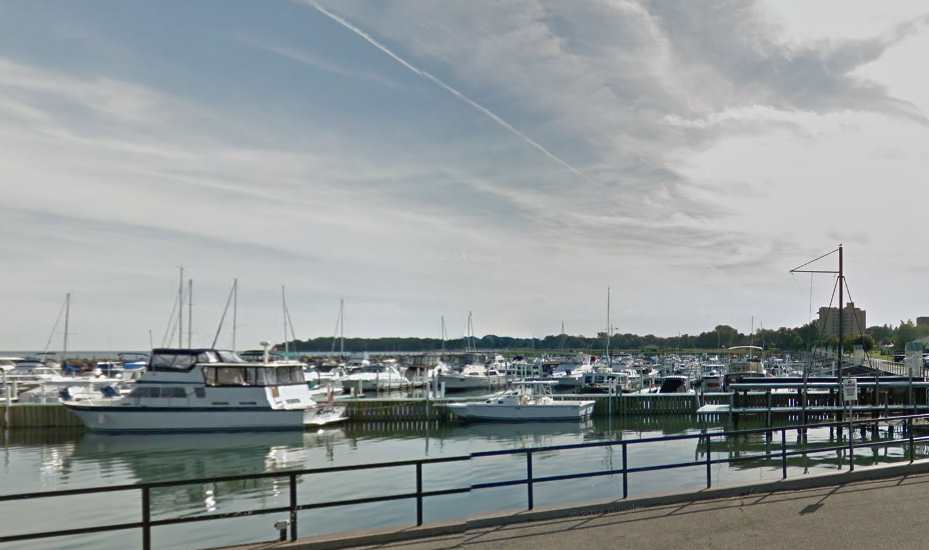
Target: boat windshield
(226, 375)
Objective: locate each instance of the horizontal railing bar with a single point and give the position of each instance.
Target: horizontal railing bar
(564, 477)
(224, 515)
(444, 492)
(69, 492)
(495, 484)
(666, 466)
(355, 501)
(67, 532)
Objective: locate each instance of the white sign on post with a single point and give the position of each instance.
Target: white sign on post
(850, 389)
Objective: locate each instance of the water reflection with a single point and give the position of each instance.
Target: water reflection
(160, 457)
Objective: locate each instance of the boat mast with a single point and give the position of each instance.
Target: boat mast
(64, 348)
(180, 309)
(284, 313)
(609, 360)
(341, 327)
(841, 310)
(443, 334)
(190, 312)
(235, 308)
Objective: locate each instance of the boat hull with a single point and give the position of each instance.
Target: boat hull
(173, 419)
(463, 383)
(565, 410)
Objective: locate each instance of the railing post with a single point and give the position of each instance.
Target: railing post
(709, 478)
(851, 447)
(529, 477)
(909, 431)
(625, 473)
(146, 519)
(783, 453)
(419, 494)
(293, 506)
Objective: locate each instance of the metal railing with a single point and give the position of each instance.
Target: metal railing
(147, 523)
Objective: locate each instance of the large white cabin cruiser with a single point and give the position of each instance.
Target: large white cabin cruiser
(207, 390)
(532, 401)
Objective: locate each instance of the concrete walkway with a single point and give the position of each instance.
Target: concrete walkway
(879, 507)
(889, 513)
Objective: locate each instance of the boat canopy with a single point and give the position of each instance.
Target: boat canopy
(175, 360)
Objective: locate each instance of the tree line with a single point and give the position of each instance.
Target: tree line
(723, 336)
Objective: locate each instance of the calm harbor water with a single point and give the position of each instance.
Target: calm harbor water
(47, 460)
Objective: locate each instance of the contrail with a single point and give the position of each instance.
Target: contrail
(438, 82)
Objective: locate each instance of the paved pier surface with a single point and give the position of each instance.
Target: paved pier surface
(885, 513)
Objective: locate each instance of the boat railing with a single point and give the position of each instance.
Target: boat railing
(289, 528)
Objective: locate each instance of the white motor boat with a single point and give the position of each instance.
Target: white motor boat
(531, 401)
(472, 377)
(375, 377)
(208, 390)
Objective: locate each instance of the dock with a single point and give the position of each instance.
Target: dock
(770, 400)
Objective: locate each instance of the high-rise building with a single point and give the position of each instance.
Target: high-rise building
(854, 321)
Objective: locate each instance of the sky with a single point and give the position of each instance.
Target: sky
(421, 159)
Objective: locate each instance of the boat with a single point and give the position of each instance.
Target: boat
(208, 390)
(471, 377)
(375, 377)
(675, 384)
(751, 365)
(531, 401)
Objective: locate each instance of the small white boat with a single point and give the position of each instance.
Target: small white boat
(531, 401)
(208, 390)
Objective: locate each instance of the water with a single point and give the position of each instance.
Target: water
(46, 460)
